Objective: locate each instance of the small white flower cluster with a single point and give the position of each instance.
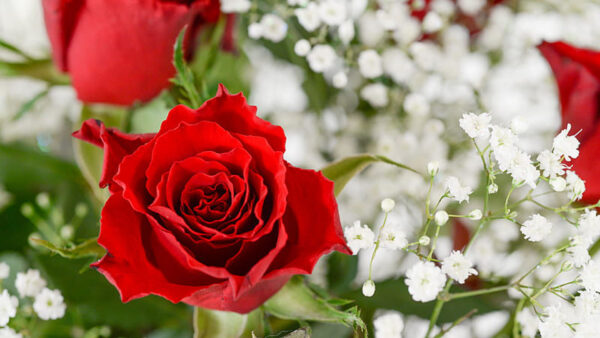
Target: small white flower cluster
(47, 304)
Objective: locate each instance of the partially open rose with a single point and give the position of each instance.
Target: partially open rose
(577, 73)
(206, 211)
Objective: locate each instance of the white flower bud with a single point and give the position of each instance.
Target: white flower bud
(424, 240)
(255, 31)
(558, 183)
(387, 205)
(43, 200)
(433, 168)
(492, 188)
(441, 217)
(475, 214)
(368, 288)
(302, 47)
(67, 232)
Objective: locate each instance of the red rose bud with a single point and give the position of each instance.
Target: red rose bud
(207, 212)
(577, 73)
(120, 52)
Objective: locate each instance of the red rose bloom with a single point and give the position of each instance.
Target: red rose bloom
(206, 211)
(120, 51)
(577, 73)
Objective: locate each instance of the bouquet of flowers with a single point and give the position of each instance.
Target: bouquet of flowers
(299, 168)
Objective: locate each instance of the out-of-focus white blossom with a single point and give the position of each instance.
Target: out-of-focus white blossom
(346, 31)
(388, 325)
(340, 80)
(376, 94)
(332, 12)
(309, 16)
(388, 205)
(4, 270)
(590, 276)
(235, 6)
(368, 288)
(416, 104)
(7, 332)
(528, 322)
(471, 7)
(302, 47)
(369, 64)
(321, 58)
(432, 22)
(255, 30)
(273, 27)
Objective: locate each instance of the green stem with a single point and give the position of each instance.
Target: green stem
(478, 292)
(377, 243)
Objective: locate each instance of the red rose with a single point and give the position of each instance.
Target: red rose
(120, 51)
(206, 211)
(577, 73)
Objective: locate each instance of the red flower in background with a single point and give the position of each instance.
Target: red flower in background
(577, 73)
(207, 212)
(120, 51)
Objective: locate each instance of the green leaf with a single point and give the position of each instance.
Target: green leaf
(27, 106)
(342, 171)
(184, 80)
(296, 301)
(87, 248)
(12, 48)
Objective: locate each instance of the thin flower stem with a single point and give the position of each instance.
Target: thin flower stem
(456, 322)
(477, 292)
(377, 243)
(519, 308)
(433, 244)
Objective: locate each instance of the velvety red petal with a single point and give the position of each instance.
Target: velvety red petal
(587, 167)
(311, 221)
(130, 261)
(233, 113)
(219, 297)
(116, 145)
(577, 73)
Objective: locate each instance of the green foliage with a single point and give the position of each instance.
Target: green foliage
(342, 171)
(87, 248)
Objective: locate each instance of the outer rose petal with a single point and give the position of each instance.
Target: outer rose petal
(109, 46)
(116, 145)
(577, 73)
(311, 221)
(128, 264)
(217, 297)
(231, 112)
(587, 166)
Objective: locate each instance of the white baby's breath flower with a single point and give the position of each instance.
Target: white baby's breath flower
(471, 7)
(332, 12)
(501, 136)
(528, 321)
(424, 240)
(492, 188)
(476, 126)
(566, 146)
(340, 80)
(518, 125)
(397, 65)
(536, 228)
(321, 58)
(558, 183)
(456, 190)
(309, 17)
(389, 325)
(590, 276)
(369, 64)
(589, 225)
(432, 22)
(441, 217)
(368, 288)
(4, 270)
(359, 237)
(7, 332)
(393, 239)
(587, 303)
(575, 186)
(346, 31)
(255, 30)
(458, 267)
(376, 94)
(550, 164)
(522, 170)
(554, 324)
(29, 283)
(433, 168)
(8, 307)
(49, 304)
(416, 104)
(302, 47)
(235, 6)
(425, 281)
(578, 251)
(273, 27)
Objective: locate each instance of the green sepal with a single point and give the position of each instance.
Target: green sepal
(223, 324)
(87, 248)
